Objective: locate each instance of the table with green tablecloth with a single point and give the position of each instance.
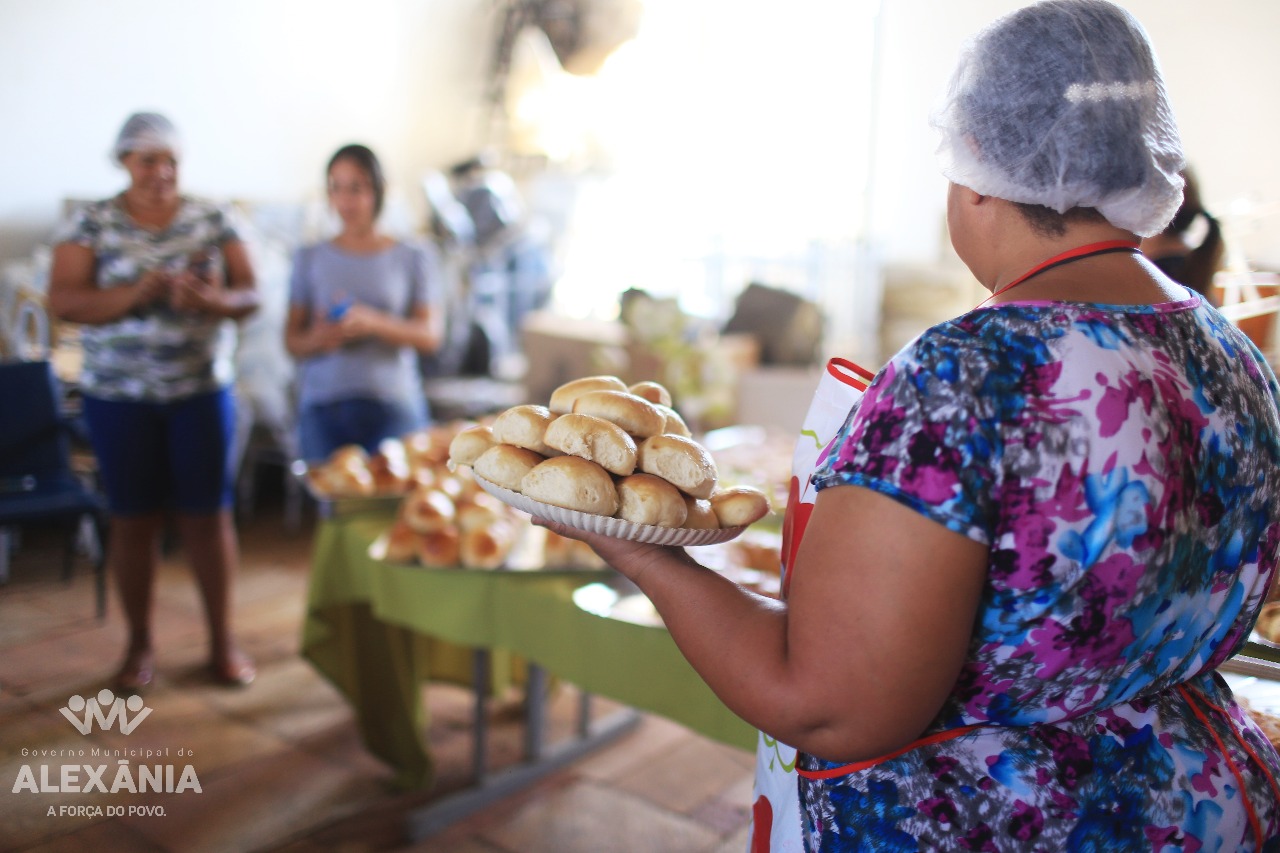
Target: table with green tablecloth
(378, 630)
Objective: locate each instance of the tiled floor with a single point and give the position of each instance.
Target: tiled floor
(280, 765)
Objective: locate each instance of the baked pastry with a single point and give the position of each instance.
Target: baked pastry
(680, 461)
(739, 506)
(389, 468)
(653, 392)
(427, 510)
(562, 399)
(634, 414)
(506, 465)
(572, 483)
(675, 424)
(348, 455)
(344, 474)
(646, 499)
(1268, 624)
(439, 549)
(487, 547)
(594, 439)
(402, 543)
(561, 552)
(699, 515)
(479, 511)
(524, 426)
(467, 445)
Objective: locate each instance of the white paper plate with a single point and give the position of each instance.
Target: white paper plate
(614, 527)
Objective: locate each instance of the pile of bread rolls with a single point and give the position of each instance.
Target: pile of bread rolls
(452, 522)
(605, 448)
(398, 466)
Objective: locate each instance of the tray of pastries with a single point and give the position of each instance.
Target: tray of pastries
(608, 458)
(352, 480)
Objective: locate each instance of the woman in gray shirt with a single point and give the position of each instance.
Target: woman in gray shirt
(362, 307)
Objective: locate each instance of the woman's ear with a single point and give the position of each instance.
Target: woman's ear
(968, 196)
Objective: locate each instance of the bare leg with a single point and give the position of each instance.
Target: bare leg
(133, 550)
(213, 550)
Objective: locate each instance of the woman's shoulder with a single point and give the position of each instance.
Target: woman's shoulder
(97, 210)
(412, 247)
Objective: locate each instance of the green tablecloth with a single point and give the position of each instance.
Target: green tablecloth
(378, 630)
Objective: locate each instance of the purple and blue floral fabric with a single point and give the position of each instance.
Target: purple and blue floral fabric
(1123, 465)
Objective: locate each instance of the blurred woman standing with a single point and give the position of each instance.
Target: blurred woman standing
(363, 306)
(152, 275)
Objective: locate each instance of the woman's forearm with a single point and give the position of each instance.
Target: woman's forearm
(94, 305)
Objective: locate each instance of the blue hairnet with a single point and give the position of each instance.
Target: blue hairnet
(1062, 104)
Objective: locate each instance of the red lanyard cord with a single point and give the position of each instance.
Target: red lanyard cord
(1086, 251)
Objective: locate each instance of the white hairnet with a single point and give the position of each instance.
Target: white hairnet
(146, 132)
(1061, 104)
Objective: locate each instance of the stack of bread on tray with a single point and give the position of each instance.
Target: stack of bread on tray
(604, 448)
(398, 465)
(443, 517)
(452, 522)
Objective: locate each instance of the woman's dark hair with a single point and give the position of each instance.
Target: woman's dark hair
(1197, 269)
(1048, 222)
(368, 163)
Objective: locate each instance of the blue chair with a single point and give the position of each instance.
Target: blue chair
(37, 483)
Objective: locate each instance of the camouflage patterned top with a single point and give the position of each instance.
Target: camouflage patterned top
(154, 354)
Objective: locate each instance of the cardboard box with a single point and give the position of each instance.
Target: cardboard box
(776, 397)
(558, 349)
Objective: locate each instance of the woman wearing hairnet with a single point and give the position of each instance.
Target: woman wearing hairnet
(152, 275)
(1043, 525)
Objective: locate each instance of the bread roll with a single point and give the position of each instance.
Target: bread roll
(653, 392)
(562, 398)
(479, 511)
(427, 510)
(594, 439)
(343, 481)
(402, 543)
(675, 424)
(524, 426)
(699, 515)
(739, 506)
(506, 465)
(680, 461)
(1268, 624)
(572, 483)
(561, 552)
(634, 414)
(389, 468)
(348, 455)
(486, 548)
(439, 549)
(466, 446)
(646, 499)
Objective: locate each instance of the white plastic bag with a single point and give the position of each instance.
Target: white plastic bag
(775, 811)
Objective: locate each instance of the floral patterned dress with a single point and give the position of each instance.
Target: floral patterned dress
(1123, 465)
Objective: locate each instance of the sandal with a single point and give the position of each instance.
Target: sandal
(235, 670)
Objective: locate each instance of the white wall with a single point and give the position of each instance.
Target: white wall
(265, 90)
(1219, 61)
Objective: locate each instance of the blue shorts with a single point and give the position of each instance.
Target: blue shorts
(324, 427)
(164, 456)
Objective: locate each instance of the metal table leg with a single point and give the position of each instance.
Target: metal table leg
(540, 759)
